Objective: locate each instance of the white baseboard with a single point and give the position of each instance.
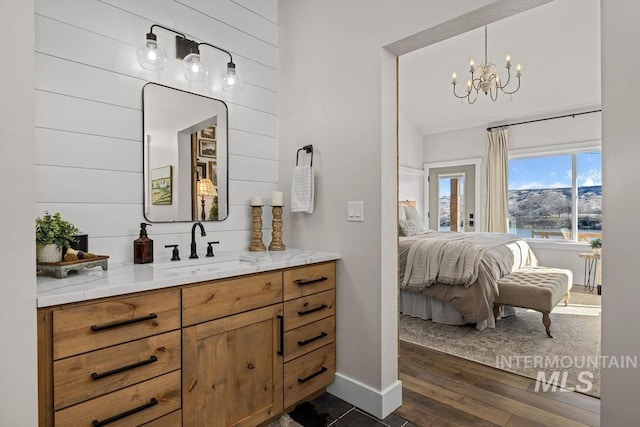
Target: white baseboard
(375, 402)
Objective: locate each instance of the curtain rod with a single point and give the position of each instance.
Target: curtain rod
(542, 120)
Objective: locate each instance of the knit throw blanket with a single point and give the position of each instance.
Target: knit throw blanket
(448, 258)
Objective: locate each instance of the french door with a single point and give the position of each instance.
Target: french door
(452, 198)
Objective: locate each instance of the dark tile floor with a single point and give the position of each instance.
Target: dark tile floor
(343, 414)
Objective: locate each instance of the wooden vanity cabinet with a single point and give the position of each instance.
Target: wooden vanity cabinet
(232, 366)
(232, 373)
(235, 351)
(309, 330)
(116, 361)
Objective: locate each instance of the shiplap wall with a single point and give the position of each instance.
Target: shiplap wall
(88, 102)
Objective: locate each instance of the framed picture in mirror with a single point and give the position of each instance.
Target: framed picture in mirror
(213, 175)
(201, 170)
(208, 133)
(207, 148)
(161, 185)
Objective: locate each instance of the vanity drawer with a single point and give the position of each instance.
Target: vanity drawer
(307, 280)
(173, 419)
(302, 311)
(308, 374)
(137, 404)
(208, 301)
(89, 327)
(83, 377)
(307, 338)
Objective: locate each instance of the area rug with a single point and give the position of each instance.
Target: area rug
(305, 414)
(284, 421)
(518, 344)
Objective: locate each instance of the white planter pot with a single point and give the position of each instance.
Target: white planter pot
(48, 253)
(597, 251)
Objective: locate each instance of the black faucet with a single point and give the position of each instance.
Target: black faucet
(193, 238)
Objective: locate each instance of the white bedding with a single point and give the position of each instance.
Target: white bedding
(474, 302)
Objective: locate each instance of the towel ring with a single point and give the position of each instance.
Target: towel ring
(308, 149)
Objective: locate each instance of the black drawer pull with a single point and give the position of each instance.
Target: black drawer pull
(97, 376)
(315, 374)
(118, 323)
(313, 310)
(281, 347)
(152, 402)
(301, 282)
(310, 340)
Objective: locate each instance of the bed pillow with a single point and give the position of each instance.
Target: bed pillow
(408, 227)
(402, 216)
(412, 215)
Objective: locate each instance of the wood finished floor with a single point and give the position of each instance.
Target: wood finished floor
(444, 390)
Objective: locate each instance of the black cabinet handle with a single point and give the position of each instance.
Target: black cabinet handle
(310, 340)
(281, 349)
(313, 310)
(97, 376)
(302, 282)
(152, 402)
(315, 374)
(119, 323)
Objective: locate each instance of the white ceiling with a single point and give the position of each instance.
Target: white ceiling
(558, 45)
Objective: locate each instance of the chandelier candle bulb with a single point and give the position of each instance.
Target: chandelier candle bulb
(508, 60)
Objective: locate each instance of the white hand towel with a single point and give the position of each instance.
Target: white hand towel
(302, 189)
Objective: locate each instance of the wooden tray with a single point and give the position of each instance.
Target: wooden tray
(61, 269)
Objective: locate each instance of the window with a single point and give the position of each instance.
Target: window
(556, 196)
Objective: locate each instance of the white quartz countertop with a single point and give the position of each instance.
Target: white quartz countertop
(92, 283)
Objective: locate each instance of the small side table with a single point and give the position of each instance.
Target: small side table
(591, 261)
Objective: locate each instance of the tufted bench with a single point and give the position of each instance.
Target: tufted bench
(536, 288)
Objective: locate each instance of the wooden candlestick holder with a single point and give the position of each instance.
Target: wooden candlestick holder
(256, 230)
(276, 232)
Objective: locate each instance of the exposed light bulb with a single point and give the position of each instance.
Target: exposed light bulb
(231, 80)
(151, 56)
(193, 68)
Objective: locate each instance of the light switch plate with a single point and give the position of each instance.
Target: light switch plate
(355, 211)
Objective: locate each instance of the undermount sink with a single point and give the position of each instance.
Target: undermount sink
(204, 265)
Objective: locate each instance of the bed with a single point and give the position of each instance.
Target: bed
(451, 277)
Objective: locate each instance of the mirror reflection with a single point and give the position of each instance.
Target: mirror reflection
(185, 156)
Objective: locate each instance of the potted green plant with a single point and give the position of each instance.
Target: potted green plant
(53, 234)
(596, 245)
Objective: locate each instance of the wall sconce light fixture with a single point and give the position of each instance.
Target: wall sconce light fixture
(153, 57)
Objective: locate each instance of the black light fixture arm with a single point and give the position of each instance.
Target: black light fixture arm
(166, 28)
(184, 46)
(219, 48)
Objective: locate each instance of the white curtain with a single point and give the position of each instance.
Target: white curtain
(496, 209)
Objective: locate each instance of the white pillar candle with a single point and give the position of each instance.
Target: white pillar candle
(256, 201)
(277, 198)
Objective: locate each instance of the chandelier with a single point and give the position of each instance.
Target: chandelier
(484, 78)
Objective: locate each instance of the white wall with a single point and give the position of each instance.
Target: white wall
(336, 89)
(411, 187)
(621, 151)
(18, 370)
(89, 112)
(410, 146)
(549, 134)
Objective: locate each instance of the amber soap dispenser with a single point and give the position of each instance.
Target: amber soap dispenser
(143, 246)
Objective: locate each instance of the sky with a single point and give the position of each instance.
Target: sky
(554, 171)
(548, 172)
